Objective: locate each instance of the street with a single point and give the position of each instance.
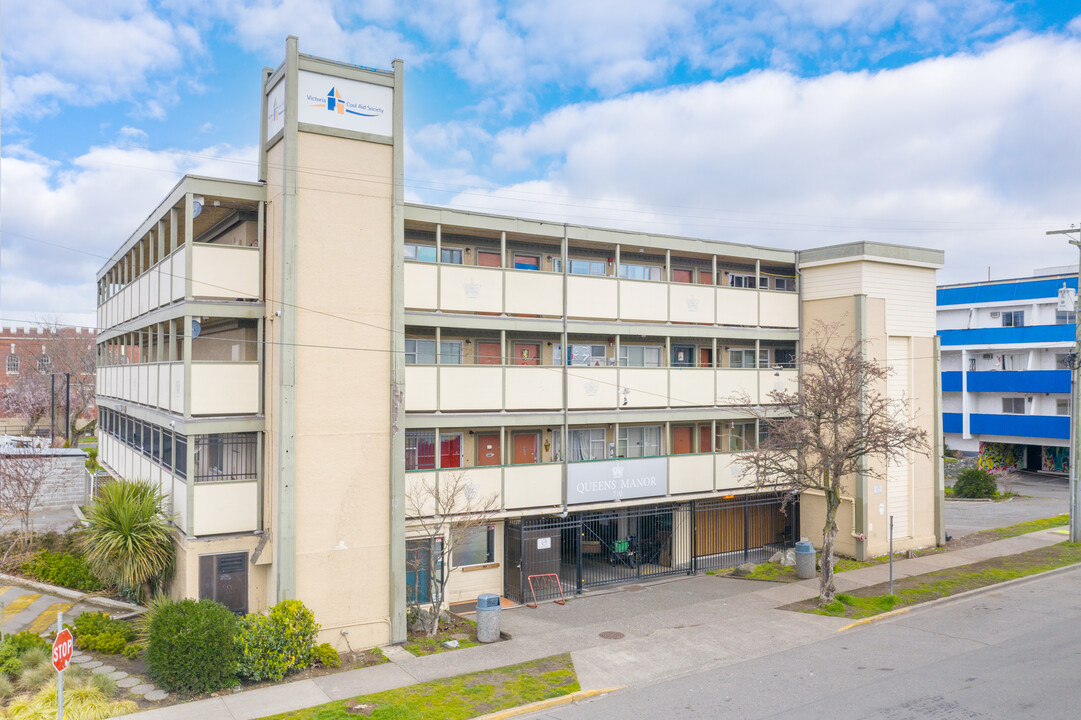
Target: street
(1006, 653)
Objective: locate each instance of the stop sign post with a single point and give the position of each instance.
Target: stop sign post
(62, 649)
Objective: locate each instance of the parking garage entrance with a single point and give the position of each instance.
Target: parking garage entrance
(629, 544)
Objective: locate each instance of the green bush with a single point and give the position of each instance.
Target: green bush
(269, 647)
(975, 483)
(97, 632)
(10, 665)
(26, 640)
(326, 655)
(63, 569)
(190, 646)
(132, 650)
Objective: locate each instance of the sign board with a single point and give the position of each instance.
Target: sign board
(544, 543)
(345, 104)
(622, 479)
(63, 646)
(275, 109)
(1067, 299)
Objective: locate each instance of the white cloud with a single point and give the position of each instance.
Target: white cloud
(91, 206)
(968, 153)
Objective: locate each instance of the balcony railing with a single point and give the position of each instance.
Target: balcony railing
(982, 337)
(217, 388)
(475, 289)
(1017, 381)
(1055, 427)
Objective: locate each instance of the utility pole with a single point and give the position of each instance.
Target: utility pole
(1075, 404)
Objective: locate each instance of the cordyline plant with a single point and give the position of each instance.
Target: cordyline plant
(833, 427)
(128, 541)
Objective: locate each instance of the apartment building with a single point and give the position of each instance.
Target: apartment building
(1005, 381)
(311, 347)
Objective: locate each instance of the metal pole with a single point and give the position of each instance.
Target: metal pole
(59, 675)
(67, 407)
(891, 554)
(52, 406)
(1075, 405)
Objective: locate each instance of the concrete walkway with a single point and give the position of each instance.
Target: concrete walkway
(652, 632)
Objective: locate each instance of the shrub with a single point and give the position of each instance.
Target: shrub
(326, 655)
(10, 665)
(57, 568)
(34, 657)
(97, 632)
(132, 650)
(975, 483)
(26, 640)
(191, 645)
(269, 647)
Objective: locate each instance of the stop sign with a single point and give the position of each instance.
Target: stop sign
(62, 648)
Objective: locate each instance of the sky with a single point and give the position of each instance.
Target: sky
(950, 124)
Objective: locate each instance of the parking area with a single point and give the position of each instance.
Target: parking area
(1042, 496)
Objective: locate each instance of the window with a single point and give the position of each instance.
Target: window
(763, 283)
(1014, 361)
(421, 253)
(1014, 318)
(181, 456)
(785, 284)
(422, 352)
(526, 262)
(1062, 407)
(13, 364)
(640, 356)
(640, 441)
(44, 363)
(972, 363)
(589, 355)
(585, 444)
(587, 267)
(784, 357)
(420, 450)
(166, 449)
(1065, 317)
(224, 578)
(682, 356)
(740, 281)
(419, 554)
(147, 440)
(475, 548)
(450, 352)
(1013, 406)
(224, 457)
(632, 271)
(735, 435)
(741, 358)
(451, 255)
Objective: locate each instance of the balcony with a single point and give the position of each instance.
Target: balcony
(519, 487)
(475, 289)
(1055, 427)
(1032, 334)
(1015, 381)
(480, 388)
(217, 388)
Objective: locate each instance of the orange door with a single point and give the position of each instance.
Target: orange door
(682, 440)
(705, 439)
(488, 354)
(488, 259)
(682, 276)
(526, 353)
(526, 446)
(705, 357)
(705, 278)
(488, 449)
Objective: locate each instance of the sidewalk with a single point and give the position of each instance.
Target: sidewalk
(666, 629)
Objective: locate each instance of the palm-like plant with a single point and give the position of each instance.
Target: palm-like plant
(129, 538)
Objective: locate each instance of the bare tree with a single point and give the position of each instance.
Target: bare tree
(830, 428)
(27, 399)
(450, 511)
(23, 473)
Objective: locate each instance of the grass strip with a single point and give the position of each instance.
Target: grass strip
(1028, 527)
(456, 698)
(869, 601)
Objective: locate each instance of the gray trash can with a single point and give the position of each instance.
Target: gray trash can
(488, 617)
(805, 559)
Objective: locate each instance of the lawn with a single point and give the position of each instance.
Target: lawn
(456, 698)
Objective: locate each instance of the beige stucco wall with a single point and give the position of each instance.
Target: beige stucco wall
(185, 582)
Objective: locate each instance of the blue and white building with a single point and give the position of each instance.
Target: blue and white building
(1005, 382)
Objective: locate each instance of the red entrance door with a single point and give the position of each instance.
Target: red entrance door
(705, 357)
(705, 277)
(488, 449)
(488, 354)
(526, 353)
(682, 440)
(450, 451)
(488, 259)
(526, 446)
(682, 276)
(705, 439)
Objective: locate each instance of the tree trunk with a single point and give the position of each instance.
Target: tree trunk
(829, 535)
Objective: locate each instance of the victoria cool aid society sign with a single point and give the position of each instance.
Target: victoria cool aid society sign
(616, 480)
(345, 104)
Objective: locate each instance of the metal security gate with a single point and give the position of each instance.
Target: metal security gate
(620, 545)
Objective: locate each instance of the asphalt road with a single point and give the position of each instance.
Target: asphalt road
(1009, 653)
(1043, 496)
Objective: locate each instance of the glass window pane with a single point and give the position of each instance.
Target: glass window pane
(426, 253)
(450, 352)
(420, 450)
(472, 549)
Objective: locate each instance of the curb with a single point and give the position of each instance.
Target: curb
(69, 594)
(549, 703)
(961, 596)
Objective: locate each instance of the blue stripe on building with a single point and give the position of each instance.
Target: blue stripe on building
(1003, 292)
(1033, 426)
(1016, 381)
(1006, 335)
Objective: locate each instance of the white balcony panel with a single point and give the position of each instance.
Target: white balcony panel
(180, 504)
(142, 387)
(164, 271)
(153, 384)
(534, 388)
(692, 386)
(779, 309)
(736, 306)
(128, 301)
(154, 292)
(486, 483)
(690, 473)
(421, 286)
(176, 383)
(737, 386)
(643, 387)
(534, 293)
(643, 300)
(591, 388)
(692, 303)
(470, 289)
(164, 370)
(179, 274)
(225, 271)
(729, 475)
(780, 380)
(418, 500)
(225, 508)
(143, 284)
(592, 298)
(420, 383)
(532, 485)
(224, 388)
(465, 387)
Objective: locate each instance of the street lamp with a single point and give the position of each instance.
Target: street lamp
(1075, 404)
